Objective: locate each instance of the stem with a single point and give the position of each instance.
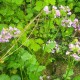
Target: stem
(4, 56)
(26, 27)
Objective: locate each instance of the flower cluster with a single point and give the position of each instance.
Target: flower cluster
(8, 33)
(46, 9)
(65, 9)
(57, 10)
(65, 21)
(56, 49)
(69, 23)
(74, 50)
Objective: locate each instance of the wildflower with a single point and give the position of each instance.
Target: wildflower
(41, 78)
(67, 23)
(48, 77)
(70, 23)
(57, 13)
(53, 51)
(67, 53)
(54, 7)
(67, 8)
(71, 46)
(46, 9)
(7, 34)
(69, 13)
(76, 20)
(62, 7)
(76, 57)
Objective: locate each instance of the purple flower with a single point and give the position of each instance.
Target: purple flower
(7, 34)
(76, 57)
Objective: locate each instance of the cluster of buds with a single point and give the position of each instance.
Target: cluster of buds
(56, 49)
(8, 33)
(69, 23)
(57, 10)
(65, 22)
(74, 50)
(65, 9)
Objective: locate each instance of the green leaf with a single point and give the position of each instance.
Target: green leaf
(49, 47)
(4, 77)
(77, 9)
(26, 56)
(29, 16)
(39, 5)
(77, 78)
(14, 65)
(39, 41)
(69, 31)
(2, 26)
(72, 17)
(35, 46)
(68, 73)
(41, 68)
(50, 2)
(18, 2)
(15, 77)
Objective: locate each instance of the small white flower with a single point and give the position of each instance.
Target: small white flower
(53, 51)
(62, 7)
(71, 46)
(54, 7)
(41, 78)
(69, 13)
(67, 53)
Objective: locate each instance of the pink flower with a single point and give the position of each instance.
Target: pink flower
(46, 9)
(7, 34)
(57, 13)
(76, 20)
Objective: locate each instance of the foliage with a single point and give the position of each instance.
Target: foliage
(46, 29)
